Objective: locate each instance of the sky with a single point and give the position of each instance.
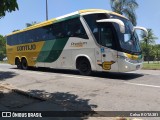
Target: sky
(148, 14)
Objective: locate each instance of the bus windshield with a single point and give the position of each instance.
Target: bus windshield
(129, 41)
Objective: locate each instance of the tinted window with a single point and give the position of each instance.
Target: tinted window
(38, 35)
(20, 39)
(69, 28)
(104, 33)
(49, 32)
(59, 30)
(76, 29)
(107, 37)
(92, 22)
(29, 37)
(12, 40)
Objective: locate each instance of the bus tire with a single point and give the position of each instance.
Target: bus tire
(18, 63)
(24, 64)
(84, 66)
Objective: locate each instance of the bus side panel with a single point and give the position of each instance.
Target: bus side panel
(51, 52)
(76, 47)
(10, 54)
(29, 51)
(62, 53)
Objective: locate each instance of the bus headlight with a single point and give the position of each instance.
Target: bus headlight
(126, 67)
(124, 58)
(134, 61)
(130, 60)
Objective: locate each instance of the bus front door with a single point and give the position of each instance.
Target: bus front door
(109, 60)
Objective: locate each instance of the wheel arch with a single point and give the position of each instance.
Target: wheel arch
(20, 58)
(84, 56)
(17, 57)
(26, 66)
(23, 57)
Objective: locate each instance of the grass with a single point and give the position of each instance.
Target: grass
(151, 66)
(3, 61)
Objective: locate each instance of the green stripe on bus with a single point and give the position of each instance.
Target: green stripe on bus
(51, 50)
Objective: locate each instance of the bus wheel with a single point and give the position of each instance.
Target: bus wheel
(18, 63)
(84, 67)
(24, 64)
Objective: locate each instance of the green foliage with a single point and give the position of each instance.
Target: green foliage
(7, 6)
(150, 39)
(152, 66)
(150, 50)
(156, 52)
(125, 7)
(2, 47)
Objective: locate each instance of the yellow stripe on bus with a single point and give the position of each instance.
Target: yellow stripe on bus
(30, 51)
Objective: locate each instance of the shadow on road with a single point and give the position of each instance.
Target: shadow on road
(60, 105)
(11, 100)
(118, 76)
(6, 75)
(109, 75)
(68, 100)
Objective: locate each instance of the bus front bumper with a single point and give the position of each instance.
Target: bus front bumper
(129, 65)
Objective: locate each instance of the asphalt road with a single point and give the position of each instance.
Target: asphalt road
(134, 91)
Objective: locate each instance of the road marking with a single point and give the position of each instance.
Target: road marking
(145, 85)
(71, 76)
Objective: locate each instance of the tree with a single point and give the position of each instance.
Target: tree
(156, 49)
(126, 8)
(2, 47)
(148, 40)
(7, 6)
(30, 24)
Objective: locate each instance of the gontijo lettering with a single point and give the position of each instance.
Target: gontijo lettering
(26, 47)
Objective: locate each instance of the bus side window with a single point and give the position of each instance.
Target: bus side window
(75, 29)
(37, 35)
(30, 36)
(20, 38)
(49, 32)
(10, 40)
(27, 37)
(106, 37)
(58, 31)
(96, 33)
(15, 39)
(92, 23)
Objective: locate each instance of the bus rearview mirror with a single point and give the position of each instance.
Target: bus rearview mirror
(119, 22)
(141, 28)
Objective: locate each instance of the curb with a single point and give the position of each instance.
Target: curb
(20, 91)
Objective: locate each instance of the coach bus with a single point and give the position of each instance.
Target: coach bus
(87, 40)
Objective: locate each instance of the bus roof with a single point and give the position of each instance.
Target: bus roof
(62, 18)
